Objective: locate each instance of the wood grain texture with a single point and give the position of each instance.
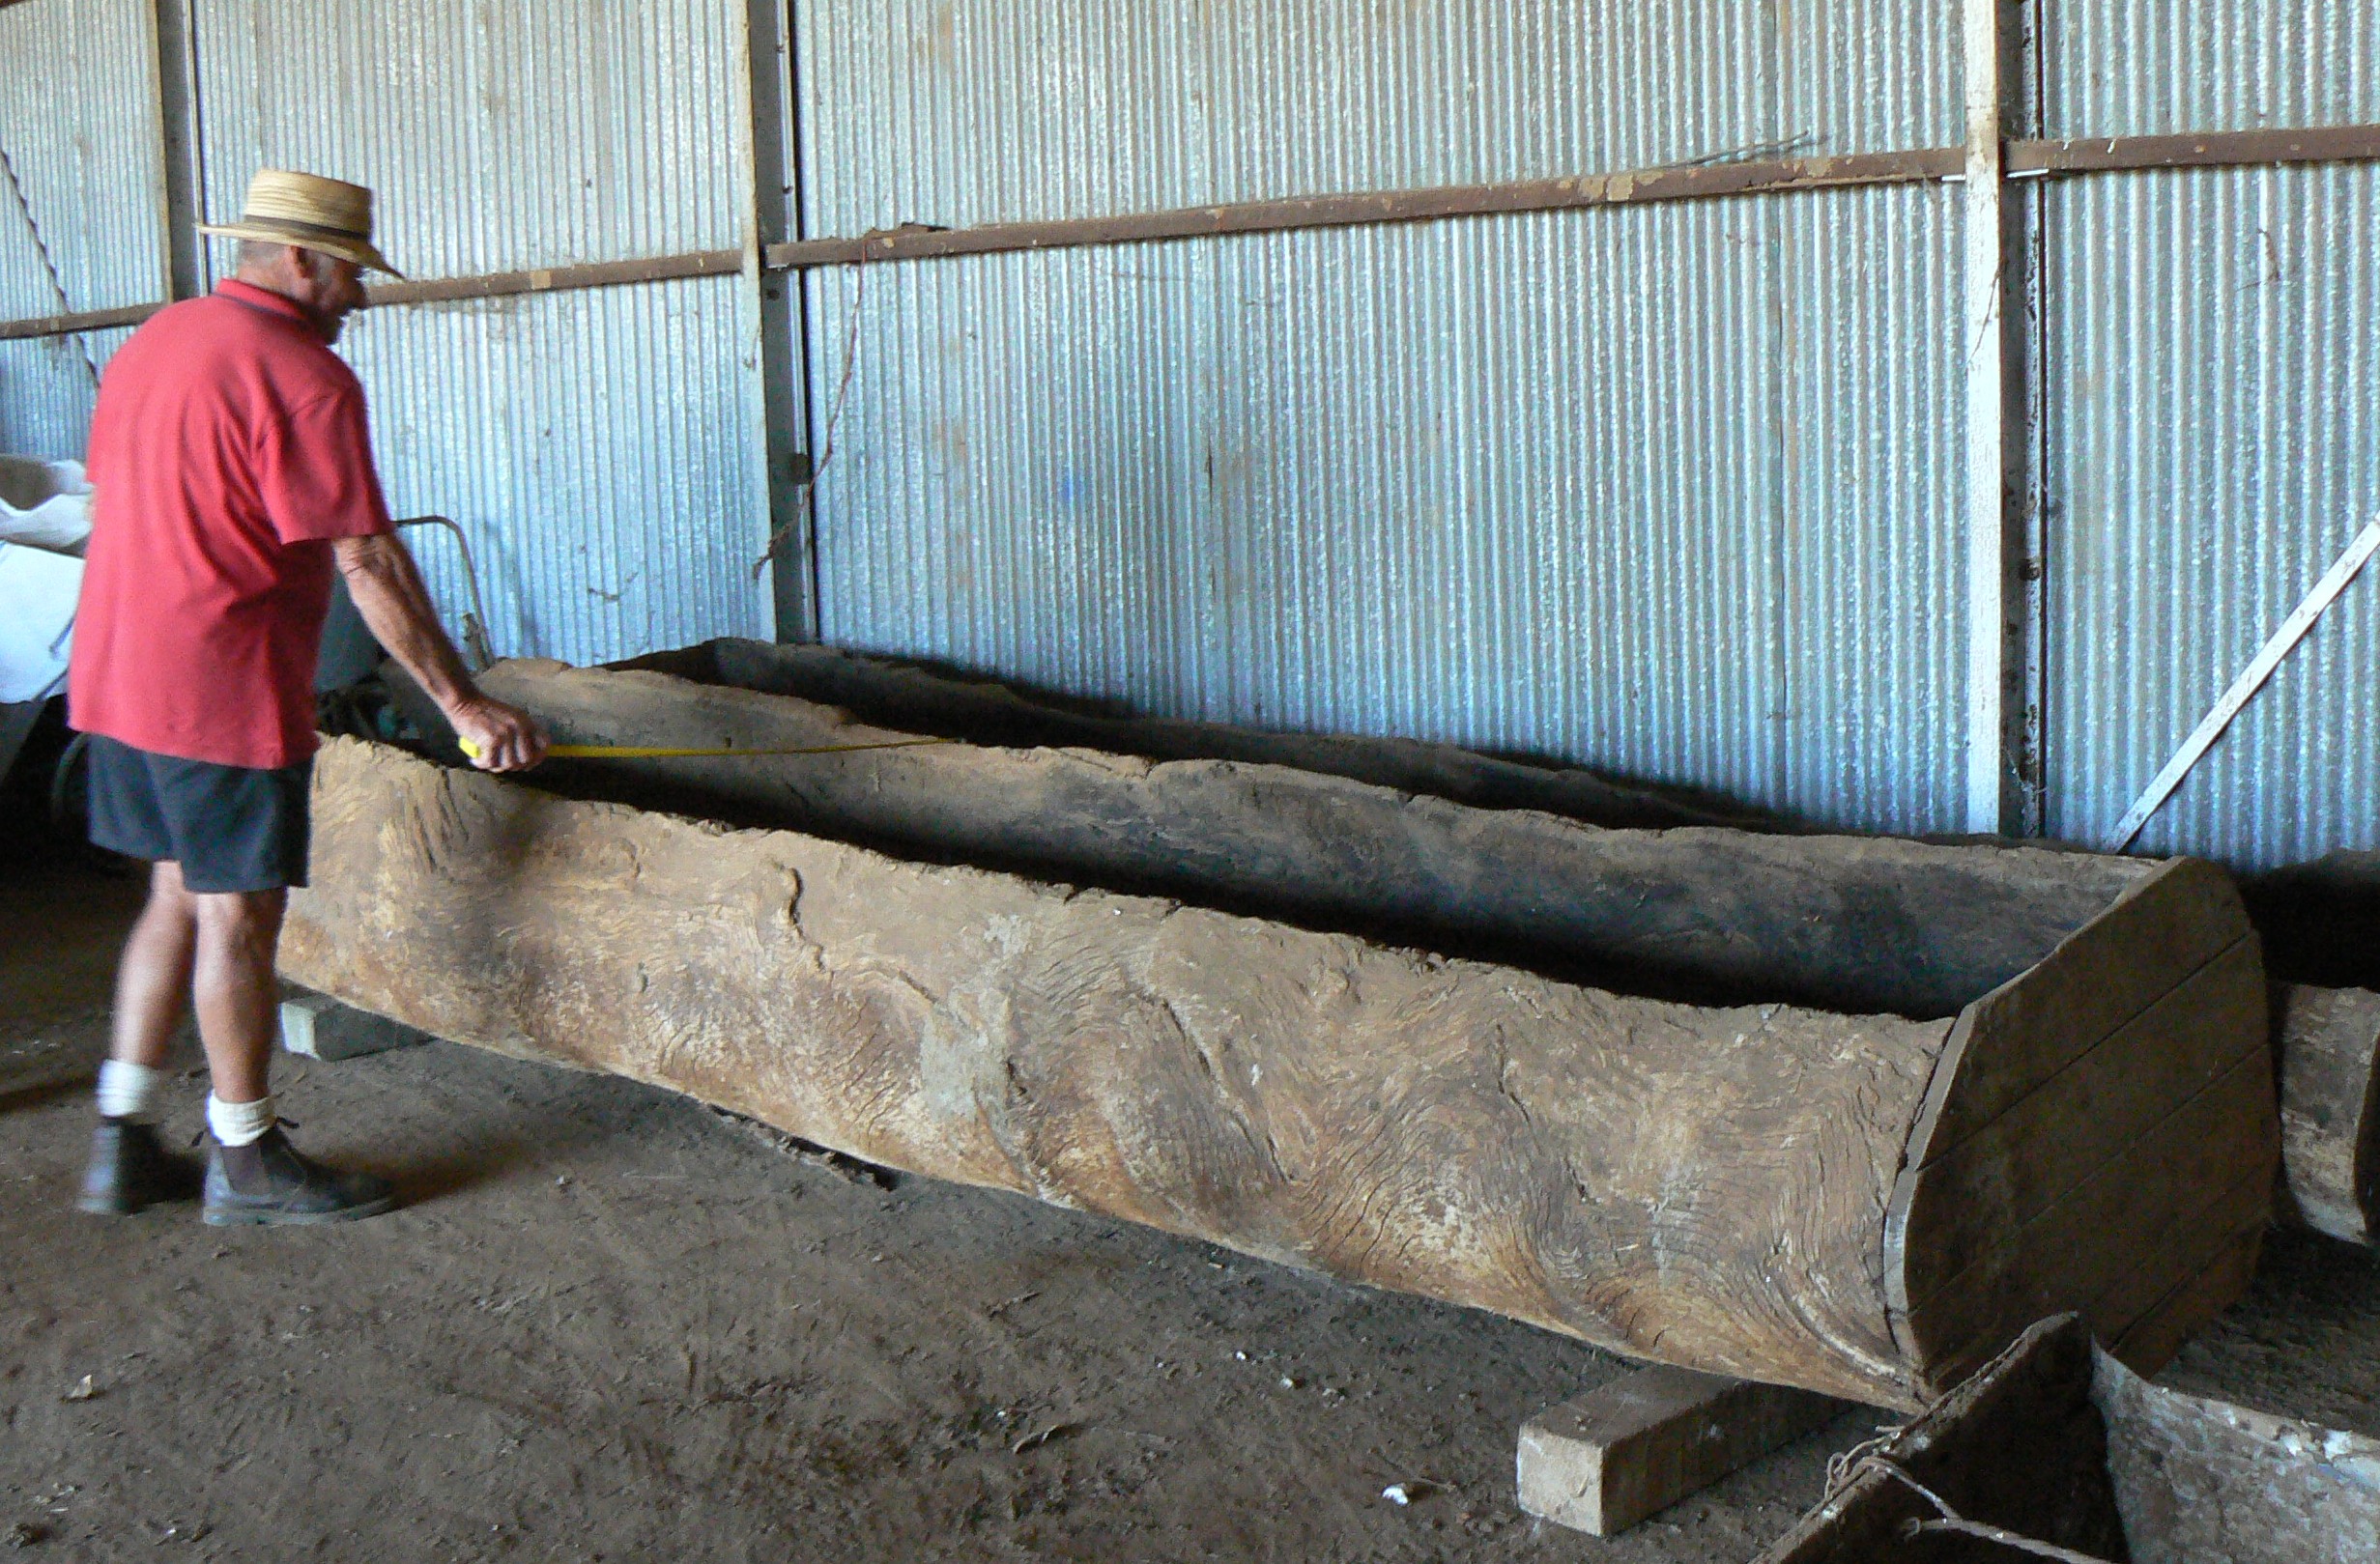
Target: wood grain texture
(2163, 927)
(1844, 923)
(1704, 1187)
(2330, 1108)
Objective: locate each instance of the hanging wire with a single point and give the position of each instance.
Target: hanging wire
(803, 490)
(41, 246)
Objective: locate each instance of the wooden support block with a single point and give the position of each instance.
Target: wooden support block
(2330, 1108)
(320, 1027)
(1634, 1447)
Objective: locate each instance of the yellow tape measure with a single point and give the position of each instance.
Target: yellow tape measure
(649, 752)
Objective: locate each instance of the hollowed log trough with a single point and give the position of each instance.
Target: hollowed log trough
(2075, 1111)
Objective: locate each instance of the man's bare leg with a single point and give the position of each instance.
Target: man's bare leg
(239, 997)
(153, 985)
(129, 1167)
(257, 1177)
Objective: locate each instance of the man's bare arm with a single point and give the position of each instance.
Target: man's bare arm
(388, 589)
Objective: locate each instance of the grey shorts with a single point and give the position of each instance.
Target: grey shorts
(231, 828)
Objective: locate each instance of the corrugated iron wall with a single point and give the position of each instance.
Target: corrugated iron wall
(1671, 488)
(599, 447)
(2213, 441)
(81, 125)
(1664, 489)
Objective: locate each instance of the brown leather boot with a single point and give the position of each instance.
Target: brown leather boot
(131, 1169)
(268, 1183)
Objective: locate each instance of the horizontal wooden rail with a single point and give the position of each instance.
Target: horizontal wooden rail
(1637, 186)
(2220, 149)
(98, 320)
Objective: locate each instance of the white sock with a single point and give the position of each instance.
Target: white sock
(129, 1091)
(238, 1123)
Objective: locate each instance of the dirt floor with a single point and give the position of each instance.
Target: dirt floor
(612, 1326)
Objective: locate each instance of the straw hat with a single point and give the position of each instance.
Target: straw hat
(310, 212)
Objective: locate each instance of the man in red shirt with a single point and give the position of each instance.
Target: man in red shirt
(231, 473)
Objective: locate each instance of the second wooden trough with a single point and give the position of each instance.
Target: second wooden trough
(1661, 1098)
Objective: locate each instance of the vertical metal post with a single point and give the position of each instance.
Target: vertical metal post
(780, 350)
(1993, 801)
(174, 37)
(2024, 259)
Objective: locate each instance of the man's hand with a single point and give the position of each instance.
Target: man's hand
(506, 738)
(396, 606)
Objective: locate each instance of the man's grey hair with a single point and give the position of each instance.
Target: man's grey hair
(261, 252)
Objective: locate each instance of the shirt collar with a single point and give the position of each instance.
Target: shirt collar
(263, 298)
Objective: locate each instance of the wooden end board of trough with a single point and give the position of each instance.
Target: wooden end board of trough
(2113, 1105)
(1769, 1192)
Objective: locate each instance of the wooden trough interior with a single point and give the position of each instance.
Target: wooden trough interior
(1831, 1112)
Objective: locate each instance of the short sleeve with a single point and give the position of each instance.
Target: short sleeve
(315, 471)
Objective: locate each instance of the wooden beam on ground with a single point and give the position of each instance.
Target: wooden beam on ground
(320, 1027)
(2330, 1108)
(1630, 1449)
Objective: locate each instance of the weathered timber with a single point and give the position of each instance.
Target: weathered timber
(320, 1027)
(924, 698)
(1709, 1186)
(2330, 1107)
(1853, 924)
(1602, 1461)
(2058, 1443)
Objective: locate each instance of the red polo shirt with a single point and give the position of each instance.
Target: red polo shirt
(227, 449)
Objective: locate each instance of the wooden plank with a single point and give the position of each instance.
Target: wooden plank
(2197, 1241)
(2191, 1242)
(1571, 193)
(96, 320)
(2330, 1108)
(2182, 916)
(2203, 148)
(2156, 1198)
(2162, 1328)
(1630, 1449)
(2103, 1108)
(1984, 337)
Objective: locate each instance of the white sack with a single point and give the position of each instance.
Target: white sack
(44, 503)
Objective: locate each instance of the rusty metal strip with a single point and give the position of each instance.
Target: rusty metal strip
(1636, 187)
(2214, 149)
